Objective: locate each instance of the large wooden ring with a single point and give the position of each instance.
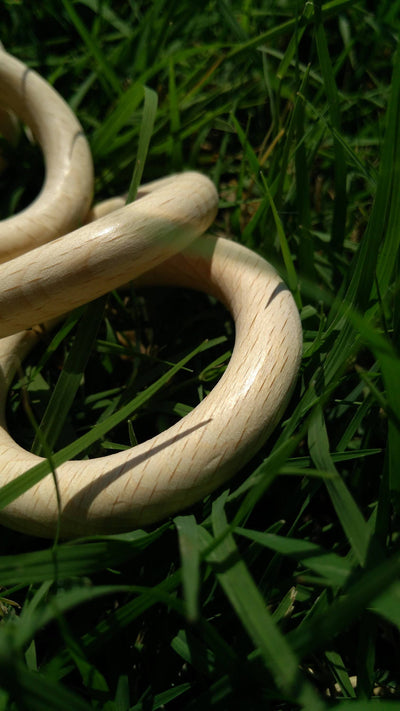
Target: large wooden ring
(173, 470)
(157, 237)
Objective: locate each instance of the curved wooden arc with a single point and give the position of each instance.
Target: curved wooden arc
(82, 265)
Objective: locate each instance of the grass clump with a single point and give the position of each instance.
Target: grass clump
(280, 592)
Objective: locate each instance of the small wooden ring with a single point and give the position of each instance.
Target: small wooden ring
(65, 198)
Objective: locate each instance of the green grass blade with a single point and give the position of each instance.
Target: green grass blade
(329, 9)
(286, 254)
(105, 135)
(229, 19)
(106, 630)
(146, 131)
(387, 605)
(73, 560)
(107, 13)
(322, 628)
(57, 605)
(292, 48)
(70, 378)
(249, 151)
(334, 569)
(306, 242)
(66, 327)
(384, 207)
(339, 671)
(175, 120)
(163, 698)
(104, 68)
(347, 511)
(390, 248)
(389, 362)
(190, 560)
(246, 600)
(35, 691)
(262, 478)
(339, 213)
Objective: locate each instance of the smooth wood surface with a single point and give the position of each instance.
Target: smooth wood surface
(157, 240)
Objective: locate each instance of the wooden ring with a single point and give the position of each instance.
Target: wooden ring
(178, 467)
(65, 198)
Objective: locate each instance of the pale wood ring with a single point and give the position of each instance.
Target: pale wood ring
(176, 468)
(66, 195)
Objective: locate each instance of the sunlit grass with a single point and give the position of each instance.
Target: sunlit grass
(282, 590)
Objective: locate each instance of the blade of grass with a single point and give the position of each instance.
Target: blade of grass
(65, 328)
(110, 16)
(387, 605)
(55, 606)
(340, 203)
(333, 568)
(329, 9)
(261, 479)
(34, 691)
(70, 378)
(146, 131)
(74, 560)
(292, 48)
(390, 366)
(104, 136)
(91, 676)
(175, 120)
(247, 601)
(190, 560)
(229, 19)
(105, 69)
(349, 515)
(164, 697)
(287, 257)
(306, 242)
(384, 208)
(322, 628)
(104, 632)
(339, 671)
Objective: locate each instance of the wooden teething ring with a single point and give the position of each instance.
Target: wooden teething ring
(155, 237)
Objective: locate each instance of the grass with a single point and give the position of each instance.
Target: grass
(281, 591)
